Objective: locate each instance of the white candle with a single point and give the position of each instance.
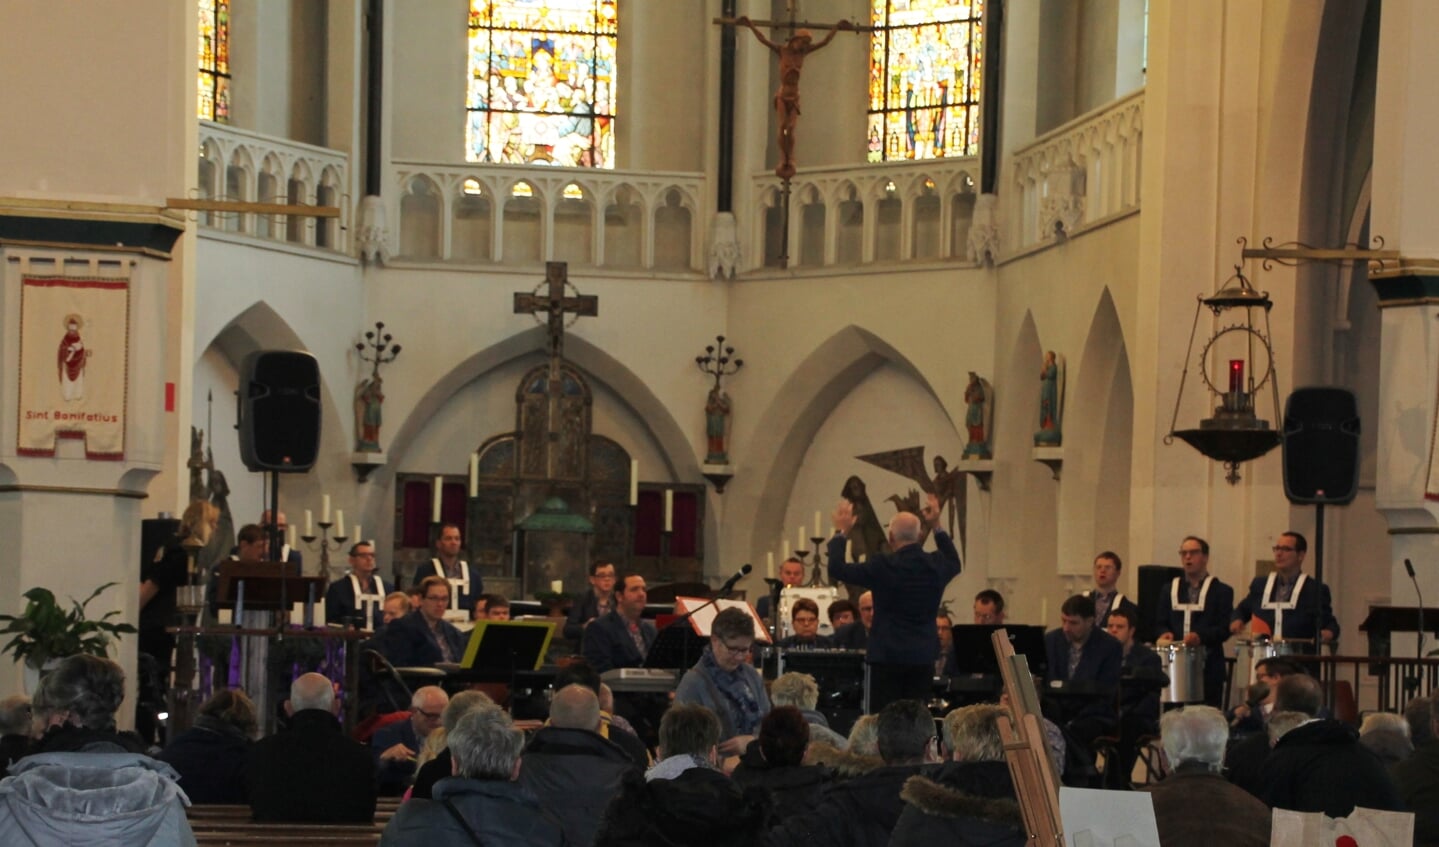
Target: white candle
(849, 550)
(669, 511)
(435, 503)
(817, 532)
(309, 523)
(1044, 611)
(325, 509)
(770, 566)
(339, 523)
(291, 539)
(557, 586)
(786, 550)
(861, 558)
(801, 540)
(358, 537)
(474, 475)
(634, 482)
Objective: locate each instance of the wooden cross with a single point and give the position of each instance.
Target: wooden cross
(556, 304)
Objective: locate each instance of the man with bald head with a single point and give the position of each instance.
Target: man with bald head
(310, 771)
(571, 768)
(396, 745)
(906, 586)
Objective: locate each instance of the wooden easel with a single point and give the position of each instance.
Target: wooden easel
(1030, 766)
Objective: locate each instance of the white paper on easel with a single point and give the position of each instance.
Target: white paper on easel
(1368, 827)
(1095, 818)
(704, 618)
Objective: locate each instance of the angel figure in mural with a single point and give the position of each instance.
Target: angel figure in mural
(1051, 401)
(868, 536)
(978, 417)
(947, 484)
(72, 358)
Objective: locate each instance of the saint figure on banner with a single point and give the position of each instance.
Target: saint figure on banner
(71, 359)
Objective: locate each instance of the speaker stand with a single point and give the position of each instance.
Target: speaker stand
(277, 547)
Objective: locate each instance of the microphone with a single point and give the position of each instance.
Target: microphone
(730, 583)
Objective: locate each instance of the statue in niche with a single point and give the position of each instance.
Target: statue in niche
(978, 417)
(1051, 401)
(369, 404)
(717, 411)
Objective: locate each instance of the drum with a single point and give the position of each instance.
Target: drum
(1185, 666)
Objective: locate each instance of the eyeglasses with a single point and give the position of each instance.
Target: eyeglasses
(737, 649)
(441, 598)
(1283, 548)
(363, 555)
(434, 716)
(1195, 552)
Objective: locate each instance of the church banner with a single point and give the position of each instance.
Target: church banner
(74, 364)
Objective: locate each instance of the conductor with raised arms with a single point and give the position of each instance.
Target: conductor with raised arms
(907, 585)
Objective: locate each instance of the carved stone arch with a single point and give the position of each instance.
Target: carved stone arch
(1022, 485)
(674, 228)
(422, 201)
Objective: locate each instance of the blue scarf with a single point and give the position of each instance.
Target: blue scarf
(743, 705)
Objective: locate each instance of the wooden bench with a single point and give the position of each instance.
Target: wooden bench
(216, 826)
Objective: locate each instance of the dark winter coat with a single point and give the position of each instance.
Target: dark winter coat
(967, 804)
(1321, 767)
(575, 774)
(699, 808)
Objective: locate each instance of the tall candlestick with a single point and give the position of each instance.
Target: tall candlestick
(474, 475)
(309, 523)
(785, 552)
(339, 523)
(1044, 611)
(634, 482)
(325, 509)
(435, 503)
(669, 511)
(799, 545)
(770, 566)
(817, 531)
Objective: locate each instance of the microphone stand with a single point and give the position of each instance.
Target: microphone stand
(1412, 681)
(722, 594)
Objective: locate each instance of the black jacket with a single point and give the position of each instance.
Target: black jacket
(501, 812)
(1322, 767)
(907, 586)
(964, 803)
(210, 758)
(792, 789)
(1418, 778)
(607, 643)
(698, 808)
(575, 774)
(860, 812)
(311, 772)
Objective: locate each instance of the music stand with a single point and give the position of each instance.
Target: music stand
(512, 645)
(974, 647)
(674, 645)
(265, 586)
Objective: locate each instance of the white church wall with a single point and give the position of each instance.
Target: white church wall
(428, 121)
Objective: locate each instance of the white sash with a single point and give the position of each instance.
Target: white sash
(367, 603)
(1188, 608)
(1278, 608)
(457, 586)
(1113, 604)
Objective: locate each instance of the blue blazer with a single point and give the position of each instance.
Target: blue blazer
(409, 643)
(1298, 621)
(1212, 622)
(907, 587)
(607, 643)
(340, 604)
(1101, 661)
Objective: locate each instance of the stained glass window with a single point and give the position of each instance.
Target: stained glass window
(215, 60)
(925, 63)
(542, 82)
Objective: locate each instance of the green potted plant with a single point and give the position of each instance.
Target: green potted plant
(46, 632)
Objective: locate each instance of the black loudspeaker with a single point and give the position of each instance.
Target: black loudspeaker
(1321, 446)
(1154, 581)
(279, 411)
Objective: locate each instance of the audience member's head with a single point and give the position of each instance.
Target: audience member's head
(397, 605)
(971, 733)
(864, 736)
(15, 715)
(486, 745)
(783, 736)
(688, 730)
(1076, 618)
(575, 707)
(84, 690)
(1194, 734)
(1419, 713)
(434, 598)
(427, 709)
(311, 691)
(906, 733)
(1298, 692)
(578, 672)
(1387, 735)
(794, 689)
(460, 705)
(841, 612)
(497, 607)
(232, 708)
